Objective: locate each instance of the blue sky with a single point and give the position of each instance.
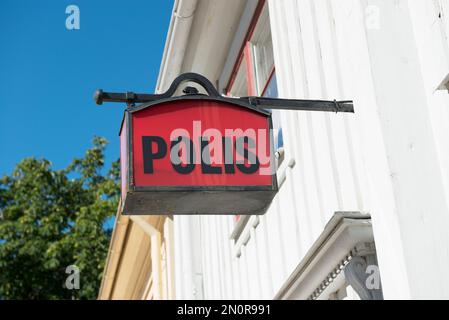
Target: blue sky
(48, 74)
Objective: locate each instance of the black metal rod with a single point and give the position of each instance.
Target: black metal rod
(131, 98)
(258, 102)
(303, 105)
(128, 97)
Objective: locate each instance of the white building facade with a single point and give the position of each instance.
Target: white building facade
(362, 210)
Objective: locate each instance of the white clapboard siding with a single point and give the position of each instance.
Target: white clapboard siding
(328, 173)
(324, 49)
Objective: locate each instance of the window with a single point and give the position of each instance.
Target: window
(261, 47)
(255, 65)
(271, 91)
(255, 72)
(254, 75)
(240, 85)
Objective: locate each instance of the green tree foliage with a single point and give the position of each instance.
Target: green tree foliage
(52, 219)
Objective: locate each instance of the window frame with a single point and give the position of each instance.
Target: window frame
(245, 54)
(245, 59)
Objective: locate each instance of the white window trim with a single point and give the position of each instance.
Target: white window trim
(248, 223)
(241, 232)
(343, 232)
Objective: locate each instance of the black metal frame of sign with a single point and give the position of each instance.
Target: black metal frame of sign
(202, 199)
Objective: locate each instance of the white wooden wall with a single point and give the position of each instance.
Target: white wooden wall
(390, 159)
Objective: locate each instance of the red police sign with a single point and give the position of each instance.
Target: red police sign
(197, 154)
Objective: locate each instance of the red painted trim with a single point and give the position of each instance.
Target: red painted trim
(273, 69)
(234, 74)
(250, 76)
(255, 19)
(248, 36)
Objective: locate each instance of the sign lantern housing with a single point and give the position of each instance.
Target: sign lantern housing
(196, 154)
